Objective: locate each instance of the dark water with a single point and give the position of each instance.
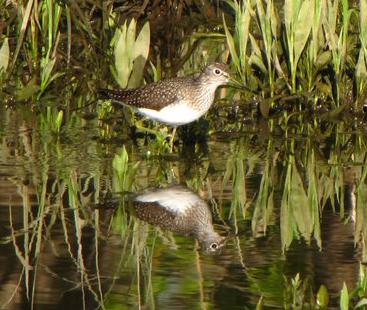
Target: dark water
(69, 240)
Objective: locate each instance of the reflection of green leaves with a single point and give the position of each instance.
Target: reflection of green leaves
(265, 201)
(51, 120)
(297, 294)
(235, 173)
(130, 54)
(295, 216)
(124, 171)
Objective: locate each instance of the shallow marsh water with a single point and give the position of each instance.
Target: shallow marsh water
(70, 240)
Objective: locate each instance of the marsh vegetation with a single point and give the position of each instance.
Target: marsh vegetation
(281, 161)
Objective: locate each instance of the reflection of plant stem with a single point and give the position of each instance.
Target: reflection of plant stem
(4, 306)
(24, 191)
(201, 278)
(18, 253)
(240, 255)
(138, 269)
(150, 263)
(96, 219)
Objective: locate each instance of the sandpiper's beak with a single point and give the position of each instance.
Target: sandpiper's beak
(226, 76)
(235, 82)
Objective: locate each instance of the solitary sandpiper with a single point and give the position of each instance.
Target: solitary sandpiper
(176, 101)
(178, 209)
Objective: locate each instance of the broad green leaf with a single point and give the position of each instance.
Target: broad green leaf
(274, 18)
(344, 298)
(231, 46)
(243, 19)
(122, 56)
(55, 76)
(257, 61)
(255, 46)
(302, 29)
(256, 56)
(361, 70)
(363, 22)
(46, 72)
(323, 59)
(288, 14)
(260, 304)
(25, 19)
(29, 90)
(322, 297)
(4, 55)
(139, 56)
(361, 303)
(130, 54)
(59, 119)
(142, 43)
(130, 36)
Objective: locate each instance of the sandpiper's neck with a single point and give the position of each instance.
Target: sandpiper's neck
(207, 234)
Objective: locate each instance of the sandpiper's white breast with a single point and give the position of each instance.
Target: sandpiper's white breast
(176, 199)
(176, 114)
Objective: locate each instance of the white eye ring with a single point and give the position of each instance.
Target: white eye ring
(217, 71)
(214, 246)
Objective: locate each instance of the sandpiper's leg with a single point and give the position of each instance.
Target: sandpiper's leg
(173, 138)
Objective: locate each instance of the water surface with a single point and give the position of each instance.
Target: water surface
(69, 238)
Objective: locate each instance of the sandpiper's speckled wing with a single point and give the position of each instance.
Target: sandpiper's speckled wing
(180, 210)
(153, 214)
(153, 96)
(175, 208)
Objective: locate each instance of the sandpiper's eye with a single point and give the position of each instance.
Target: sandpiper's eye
(214, 246)
(217, 71)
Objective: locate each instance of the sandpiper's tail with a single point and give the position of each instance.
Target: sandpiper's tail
(113, 94)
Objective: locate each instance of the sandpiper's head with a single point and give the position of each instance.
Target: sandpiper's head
(212, 242)
(215, 74)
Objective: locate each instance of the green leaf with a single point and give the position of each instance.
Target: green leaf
(361, 70)
(46, 72)
(122, 56)
(29, 90)
(256, 60)
(59, 118)
(130, 36)
(4, 55)
(260, 304)
(142, 43)
(322, 297)
(344, 298)
(323, 59)
(231, 46)
(139, 56)
(130, 54)
(302, 29)
(363, 22)
(361, 303)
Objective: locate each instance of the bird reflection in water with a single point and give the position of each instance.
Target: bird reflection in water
(180, 210)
